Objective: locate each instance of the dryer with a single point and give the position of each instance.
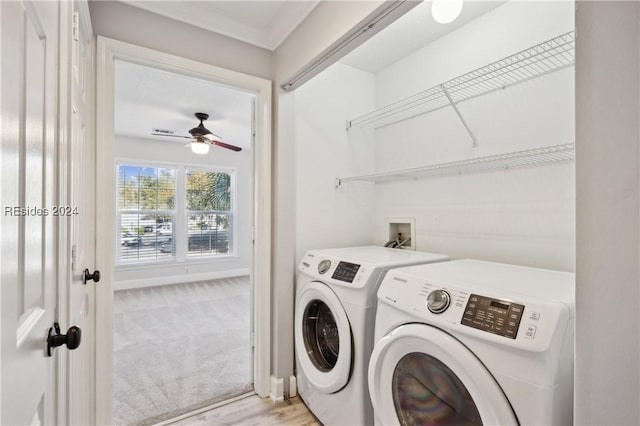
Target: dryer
(473, 342)
(334, 327)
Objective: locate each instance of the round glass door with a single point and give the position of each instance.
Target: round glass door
(323, 340)
(321, 336)
(421, 375)
(426, 392)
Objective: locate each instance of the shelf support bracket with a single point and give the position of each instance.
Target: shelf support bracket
(464, 123)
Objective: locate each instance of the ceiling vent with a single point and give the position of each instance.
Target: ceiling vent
(162, 132)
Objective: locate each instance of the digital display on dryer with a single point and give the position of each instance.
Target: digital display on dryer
(345, 271)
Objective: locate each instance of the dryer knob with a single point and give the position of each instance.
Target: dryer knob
(324, 266)
(438, 301)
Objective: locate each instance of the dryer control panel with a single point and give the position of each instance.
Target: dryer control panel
(345, 271)
(496, 316)
(336, 271)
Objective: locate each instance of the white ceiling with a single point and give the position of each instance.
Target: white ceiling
(262, 23)
(415, 29)
(147, 98)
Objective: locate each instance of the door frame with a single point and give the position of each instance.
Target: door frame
(108, 50)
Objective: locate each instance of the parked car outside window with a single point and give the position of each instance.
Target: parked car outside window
(207, 242)
(128, 240)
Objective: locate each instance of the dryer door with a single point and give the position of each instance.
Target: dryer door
(419, 374)
(322, 338)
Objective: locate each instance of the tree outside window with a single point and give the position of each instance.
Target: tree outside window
(209, 200)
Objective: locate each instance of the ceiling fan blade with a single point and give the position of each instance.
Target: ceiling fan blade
(172, 136)
(226, 145)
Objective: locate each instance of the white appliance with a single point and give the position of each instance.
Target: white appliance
(472, 342)
(334, 326)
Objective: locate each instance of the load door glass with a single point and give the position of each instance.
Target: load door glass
(321, 338)
(427, 392)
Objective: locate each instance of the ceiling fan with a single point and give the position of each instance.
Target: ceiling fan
(201, 137)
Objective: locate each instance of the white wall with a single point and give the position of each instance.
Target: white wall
(607, 375)
(151, 151)
(327, 23)
(126, 23)
(521, 216)
(324, 150)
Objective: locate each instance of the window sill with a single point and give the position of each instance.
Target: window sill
(168, 263)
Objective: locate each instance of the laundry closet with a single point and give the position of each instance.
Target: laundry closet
(462, 133)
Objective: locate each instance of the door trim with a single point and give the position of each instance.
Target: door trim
(489, 398)
(108, 50)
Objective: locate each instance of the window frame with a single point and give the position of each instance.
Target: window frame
(180, 239)
(119, 212)
(232, 213)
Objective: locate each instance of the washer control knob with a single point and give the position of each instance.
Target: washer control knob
(324, 266)
(438, 301)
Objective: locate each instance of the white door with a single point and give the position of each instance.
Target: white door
(80, 296)
(418, 374)
(29, 170)
(322, 338)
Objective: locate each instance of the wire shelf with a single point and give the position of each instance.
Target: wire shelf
(541, 59)
(507, 160)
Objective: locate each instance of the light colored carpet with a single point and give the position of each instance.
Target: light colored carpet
(180, 347)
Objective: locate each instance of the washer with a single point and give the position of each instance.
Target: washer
(334, 327)
(473, 342)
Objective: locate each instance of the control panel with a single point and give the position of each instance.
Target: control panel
(345, 271)
(495, 316)
(335, 270)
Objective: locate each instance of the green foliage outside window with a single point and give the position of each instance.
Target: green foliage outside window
(208, 191)
(144, 188)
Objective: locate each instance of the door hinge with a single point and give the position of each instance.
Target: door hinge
(253, 234)
(74, 256)
(253, 339)
(76, 25)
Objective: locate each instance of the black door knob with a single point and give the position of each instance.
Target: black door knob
(72, 339)
(89, 276)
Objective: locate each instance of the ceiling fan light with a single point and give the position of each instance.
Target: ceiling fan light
(446, 11)
(200, 148)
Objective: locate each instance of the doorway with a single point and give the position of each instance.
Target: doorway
(182, 301)
(174, 237)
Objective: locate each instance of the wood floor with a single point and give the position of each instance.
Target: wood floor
(253, 410)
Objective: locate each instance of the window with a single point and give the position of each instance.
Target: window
(146, 212)
(209, 212)
(173, 213)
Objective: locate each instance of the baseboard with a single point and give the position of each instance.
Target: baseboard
(277, 389)
(293, 386)
(178, 279)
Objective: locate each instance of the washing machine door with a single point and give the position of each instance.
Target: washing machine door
(419, 374)
(322, 337)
